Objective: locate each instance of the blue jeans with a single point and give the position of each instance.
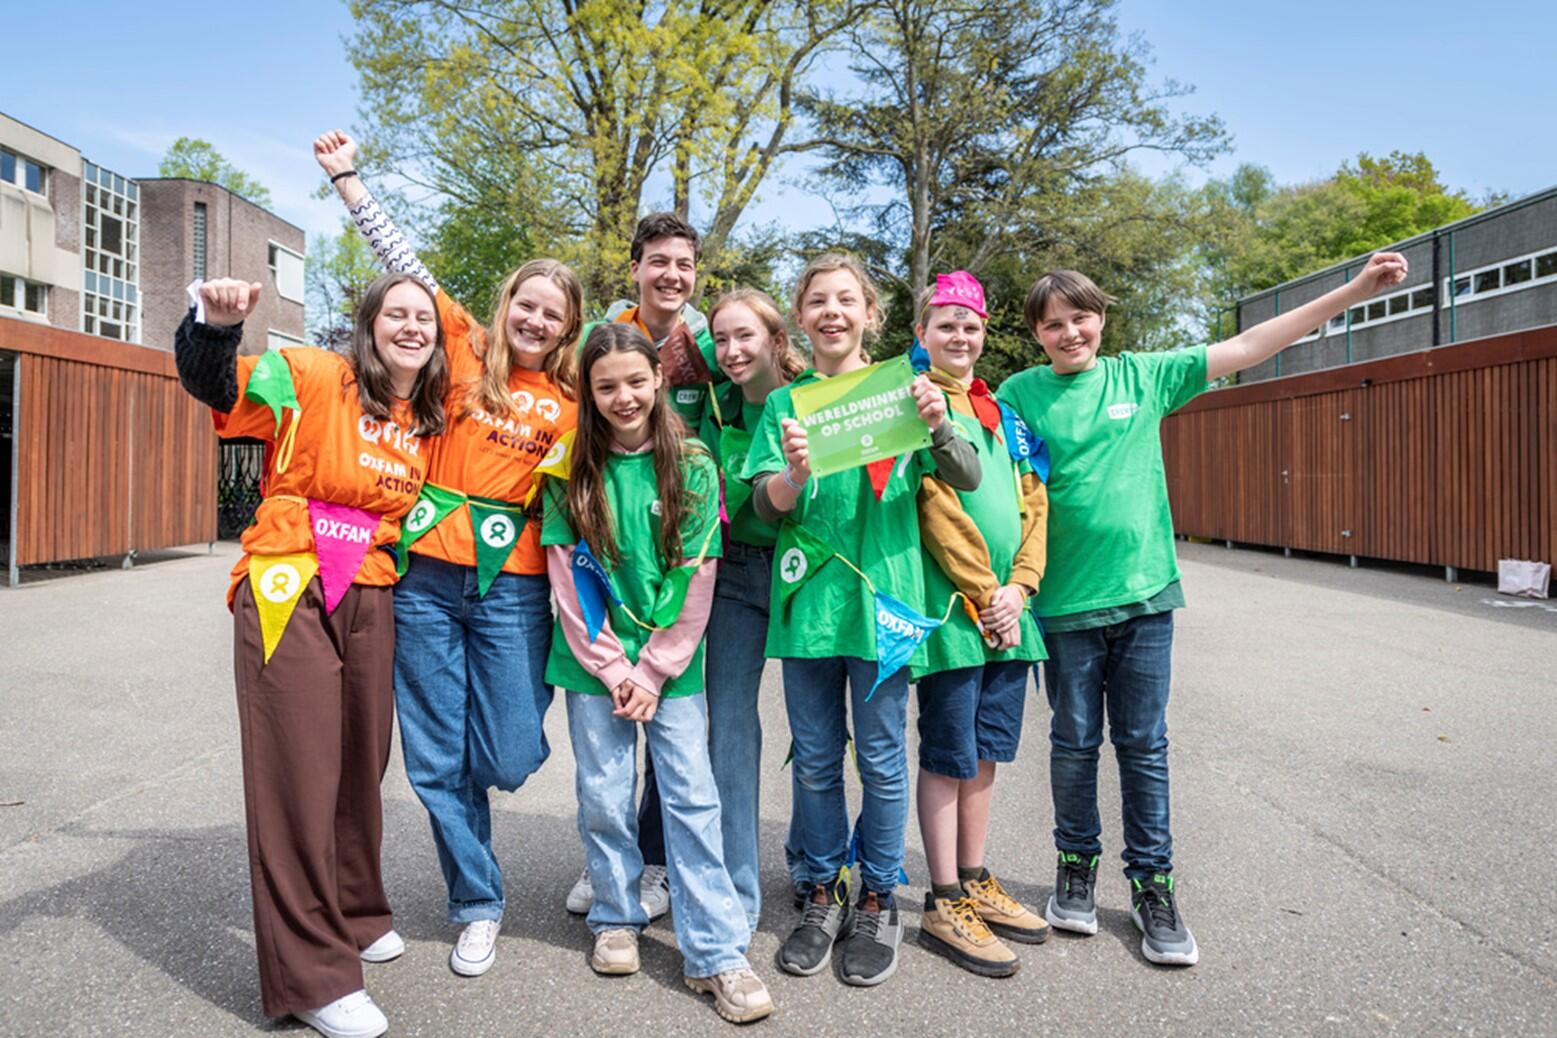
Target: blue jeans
(470, 690)
(1122, 671)
(814, 697)
(971, 714)
(710, 925)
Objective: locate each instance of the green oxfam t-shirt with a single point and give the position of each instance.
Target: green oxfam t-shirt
(634, 501)
(1110, 528)
(996, 507)
(834, 613)
(741, 419)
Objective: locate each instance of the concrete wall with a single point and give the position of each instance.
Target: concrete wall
(238, 234)
(40, 235)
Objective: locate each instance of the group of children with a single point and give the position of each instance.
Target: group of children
(628, 512)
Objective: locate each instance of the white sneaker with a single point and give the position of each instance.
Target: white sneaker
(354, 1016)
(476, 949)
(654, 891)
(386, 949)
(582, 895)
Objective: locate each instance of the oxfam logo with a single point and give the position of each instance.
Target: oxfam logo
(554, 456)
(498, 531)
(421, 516)
(867, 440)
(793, 565)
(281, 582)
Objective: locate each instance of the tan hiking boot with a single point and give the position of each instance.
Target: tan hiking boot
(740, 996)
(954, 929)
(1003, 913)
(616, 952)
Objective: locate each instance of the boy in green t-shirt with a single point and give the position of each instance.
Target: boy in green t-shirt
(1112, 581)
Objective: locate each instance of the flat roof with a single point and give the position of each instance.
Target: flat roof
(219, 187)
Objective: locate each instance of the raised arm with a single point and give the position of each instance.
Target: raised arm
(337, 155)
(205, 346)
(1268, 338)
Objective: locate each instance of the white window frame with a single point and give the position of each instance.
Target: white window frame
(286, 339)
(1473, 296)
(275, 275)
(22, 285)
(128, 297)
(44, 172)
(1372, 322)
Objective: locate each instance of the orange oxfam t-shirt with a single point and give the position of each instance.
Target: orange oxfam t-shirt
(339, 455)
(482, 455)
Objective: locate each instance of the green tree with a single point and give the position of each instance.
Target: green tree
(991, 121)
(582, 103)
(471, 247)
(340, 267)
(196, 159)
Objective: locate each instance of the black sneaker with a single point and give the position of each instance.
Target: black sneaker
(870, 950)
(1071, 906)
(802, 891)
(809, 947)
(1164, 937)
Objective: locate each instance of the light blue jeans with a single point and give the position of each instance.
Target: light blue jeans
(737, 632)
(710, 924)
(815, 693)
(471, 693)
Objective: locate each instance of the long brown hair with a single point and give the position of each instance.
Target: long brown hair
(789, 361)
(591, 517)
(489, 393)
(828, 262)
(375, 388)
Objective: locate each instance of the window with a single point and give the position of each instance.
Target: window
(21, 294)
(1358, 316)
(110, 254)
(198, 251)
(1517, 273)
(1546, 266)
(1489, 280)
(286, 267)
(1337, 323)
(276, 340)
(1422, 298)
(1510, 275)
(1399, 304)
(1376, 310)
(1462, 287)
(22, 171)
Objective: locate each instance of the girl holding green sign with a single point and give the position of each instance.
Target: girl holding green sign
(849, 544)
(631, 542)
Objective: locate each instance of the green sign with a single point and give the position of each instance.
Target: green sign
(864, 416)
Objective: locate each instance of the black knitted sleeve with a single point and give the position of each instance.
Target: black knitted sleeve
(207, 360)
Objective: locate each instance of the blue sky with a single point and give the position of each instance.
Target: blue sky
(1300, 92)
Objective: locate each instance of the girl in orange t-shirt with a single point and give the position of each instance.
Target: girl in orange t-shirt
(313, 623)
(473, 611)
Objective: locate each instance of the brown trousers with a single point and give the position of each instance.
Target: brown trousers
(315, 723)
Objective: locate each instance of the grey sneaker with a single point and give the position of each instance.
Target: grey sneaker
(870, 950)
(654, 891)
(1165, 939)
(809, 947)
(1071, 906)
(582, 895)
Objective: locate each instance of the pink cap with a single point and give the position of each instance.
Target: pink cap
(959, 288)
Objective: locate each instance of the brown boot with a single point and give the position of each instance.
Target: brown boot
(1003, 913)
(954, 929)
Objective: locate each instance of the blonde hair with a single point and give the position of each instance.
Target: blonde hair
(828, 262)
(490, 392)
(788, 360)
(922, 306)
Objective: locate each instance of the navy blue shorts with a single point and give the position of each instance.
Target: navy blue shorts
(969, 715)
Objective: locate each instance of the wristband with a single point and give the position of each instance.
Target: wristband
(789, 480)
(343, 174)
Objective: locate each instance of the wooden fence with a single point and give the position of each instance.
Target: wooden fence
(112, 456)
(1446, 457)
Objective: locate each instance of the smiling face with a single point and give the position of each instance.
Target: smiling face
(623, 385)
(1069, 335)
(834, 314)
(743, 347)
(536, 317)
(405, 333)
(954, 338)
(665, 274)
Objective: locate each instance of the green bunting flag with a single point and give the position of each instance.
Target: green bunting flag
(270, 383)
(496, 525)
(671, 596)
(799, 554)
(431, 506)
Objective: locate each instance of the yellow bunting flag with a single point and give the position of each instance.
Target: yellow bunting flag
(558, 461)
(277, 582)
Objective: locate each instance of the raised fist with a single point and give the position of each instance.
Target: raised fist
(228, 300)
(335, 152)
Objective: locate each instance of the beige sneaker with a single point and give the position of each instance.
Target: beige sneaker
(740, 996)
(616, 952)
(954, 929)
(1003, 913)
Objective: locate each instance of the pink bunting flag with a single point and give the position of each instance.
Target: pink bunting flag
(342, 536)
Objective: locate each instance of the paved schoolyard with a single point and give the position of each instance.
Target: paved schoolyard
(1363, 770)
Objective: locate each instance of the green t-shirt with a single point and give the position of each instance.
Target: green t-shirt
(1110, 527)
(1169, 598)
(996, 507)
(734, 440)
(833, 613)
(632, 495)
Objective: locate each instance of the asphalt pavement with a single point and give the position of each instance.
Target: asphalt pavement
(1363, 774)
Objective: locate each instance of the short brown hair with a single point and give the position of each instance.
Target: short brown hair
(663, 225)
(1070, 285)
